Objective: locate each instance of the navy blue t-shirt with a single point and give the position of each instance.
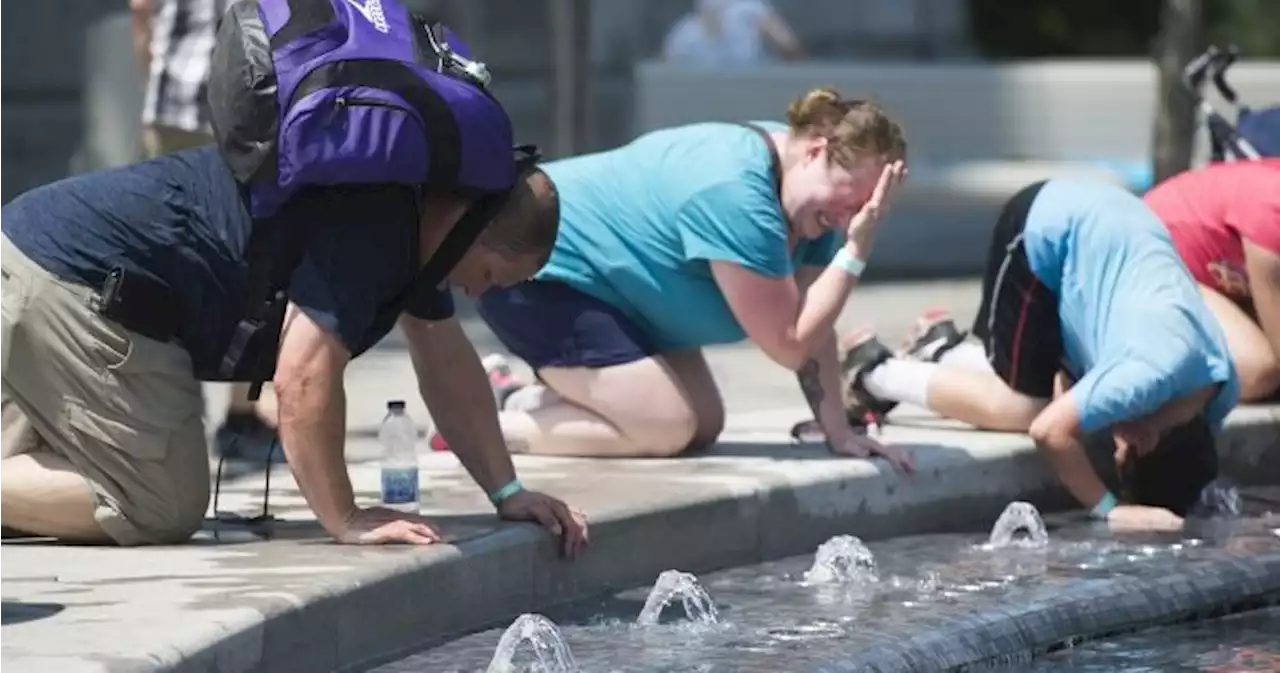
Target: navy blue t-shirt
(180, 219)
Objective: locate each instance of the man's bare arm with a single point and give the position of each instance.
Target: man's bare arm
(313, 418)
(1057, 432)
(454, 386)
(456, 390)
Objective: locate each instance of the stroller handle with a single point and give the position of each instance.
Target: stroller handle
(1225, 61)
(1212, 64)
(1194, 74)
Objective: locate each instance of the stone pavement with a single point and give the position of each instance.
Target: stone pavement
(234, 602)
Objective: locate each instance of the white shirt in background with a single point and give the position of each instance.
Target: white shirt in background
(739, 42)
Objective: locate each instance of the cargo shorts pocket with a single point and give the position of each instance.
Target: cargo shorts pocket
(14, 291)
(129, 437)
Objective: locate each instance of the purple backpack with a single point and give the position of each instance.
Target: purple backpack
(305, 93)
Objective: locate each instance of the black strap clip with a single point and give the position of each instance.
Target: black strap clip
(140, 304)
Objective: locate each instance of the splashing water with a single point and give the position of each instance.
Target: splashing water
(843, 559)
(1019, 518)
(550, 654)
(1219, 498)
(673, 584)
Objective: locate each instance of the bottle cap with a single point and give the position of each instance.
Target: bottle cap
(395, 405)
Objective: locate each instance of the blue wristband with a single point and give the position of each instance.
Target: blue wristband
(1103, 507)
(513, 487)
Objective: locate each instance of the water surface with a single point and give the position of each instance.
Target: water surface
(771, 619)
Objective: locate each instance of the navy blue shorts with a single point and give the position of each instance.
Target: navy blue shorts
(550, 324)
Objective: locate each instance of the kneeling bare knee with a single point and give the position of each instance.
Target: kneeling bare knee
(666, 435)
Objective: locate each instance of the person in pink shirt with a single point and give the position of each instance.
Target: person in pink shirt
(1225, 222)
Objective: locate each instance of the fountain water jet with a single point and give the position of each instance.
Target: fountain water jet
(1019, 517)
(550, 652)
(843, 559)
(1219, 498)
(673, 584)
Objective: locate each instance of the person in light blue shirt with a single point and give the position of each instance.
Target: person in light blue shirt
(686, 238)
(1089, 323)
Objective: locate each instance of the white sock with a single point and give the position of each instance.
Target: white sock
(967, 355)
(899, 380)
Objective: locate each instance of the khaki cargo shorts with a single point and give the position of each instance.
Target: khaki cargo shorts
(123, 409)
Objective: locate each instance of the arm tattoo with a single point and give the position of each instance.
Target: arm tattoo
(811, 384)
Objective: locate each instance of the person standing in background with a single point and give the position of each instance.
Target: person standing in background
(173, 41)
(731, 33)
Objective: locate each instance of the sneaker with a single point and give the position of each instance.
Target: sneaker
(244, 435)
(809, 432)
(863, 352)
(502, 380)
(934, 334)
(437, 442)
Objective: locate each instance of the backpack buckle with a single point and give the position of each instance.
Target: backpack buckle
(455, 63)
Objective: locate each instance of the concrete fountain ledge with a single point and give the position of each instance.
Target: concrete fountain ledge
(1086, 611)
(297, 603)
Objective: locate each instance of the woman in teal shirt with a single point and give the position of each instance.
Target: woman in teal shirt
(689, 237)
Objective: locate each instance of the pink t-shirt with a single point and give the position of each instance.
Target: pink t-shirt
(1210, 210)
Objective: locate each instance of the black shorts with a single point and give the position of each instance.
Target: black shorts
(1018, 319)
(550, 324)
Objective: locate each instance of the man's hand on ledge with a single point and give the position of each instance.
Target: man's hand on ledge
(570, 525)
(380, 525)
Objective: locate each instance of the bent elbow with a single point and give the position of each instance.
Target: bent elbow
(1049, 435)
(1041, 434)
(795, 362)
(295, 382)
(791, 356)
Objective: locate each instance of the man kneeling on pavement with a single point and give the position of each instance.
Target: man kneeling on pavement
(124, 289)
(103, 432)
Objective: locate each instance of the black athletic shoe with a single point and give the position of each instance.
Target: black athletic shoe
(861, 407)
(244, 435)
(935, 333)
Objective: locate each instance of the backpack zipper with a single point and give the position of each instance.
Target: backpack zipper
(349, 101)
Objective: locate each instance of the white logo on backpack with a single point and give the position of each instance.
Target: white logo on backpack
(371, 10)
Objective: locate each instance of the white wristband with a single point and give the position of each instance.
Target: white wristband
(848, 263)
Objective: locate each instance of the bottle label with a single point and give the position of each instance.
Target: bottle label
(399, 485)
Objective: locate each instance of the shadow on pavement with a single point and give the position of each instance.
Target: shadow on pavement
(17, 612)
(816, 451)
(220, 532)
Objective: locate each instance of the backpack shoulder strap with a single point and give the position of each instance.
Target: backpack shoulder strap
(468, 229)
(455, 244)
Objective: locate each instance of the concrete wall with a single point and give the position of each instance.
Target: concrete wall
(1053, 110)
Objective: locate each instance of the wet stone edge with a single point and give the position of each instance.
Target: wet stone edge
(1091, 611)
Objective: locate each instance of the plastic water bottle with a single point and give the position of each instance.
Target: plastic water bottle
(399, 438)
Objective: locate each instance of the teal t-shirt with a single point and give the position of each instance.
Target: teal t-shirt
(640, 224)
